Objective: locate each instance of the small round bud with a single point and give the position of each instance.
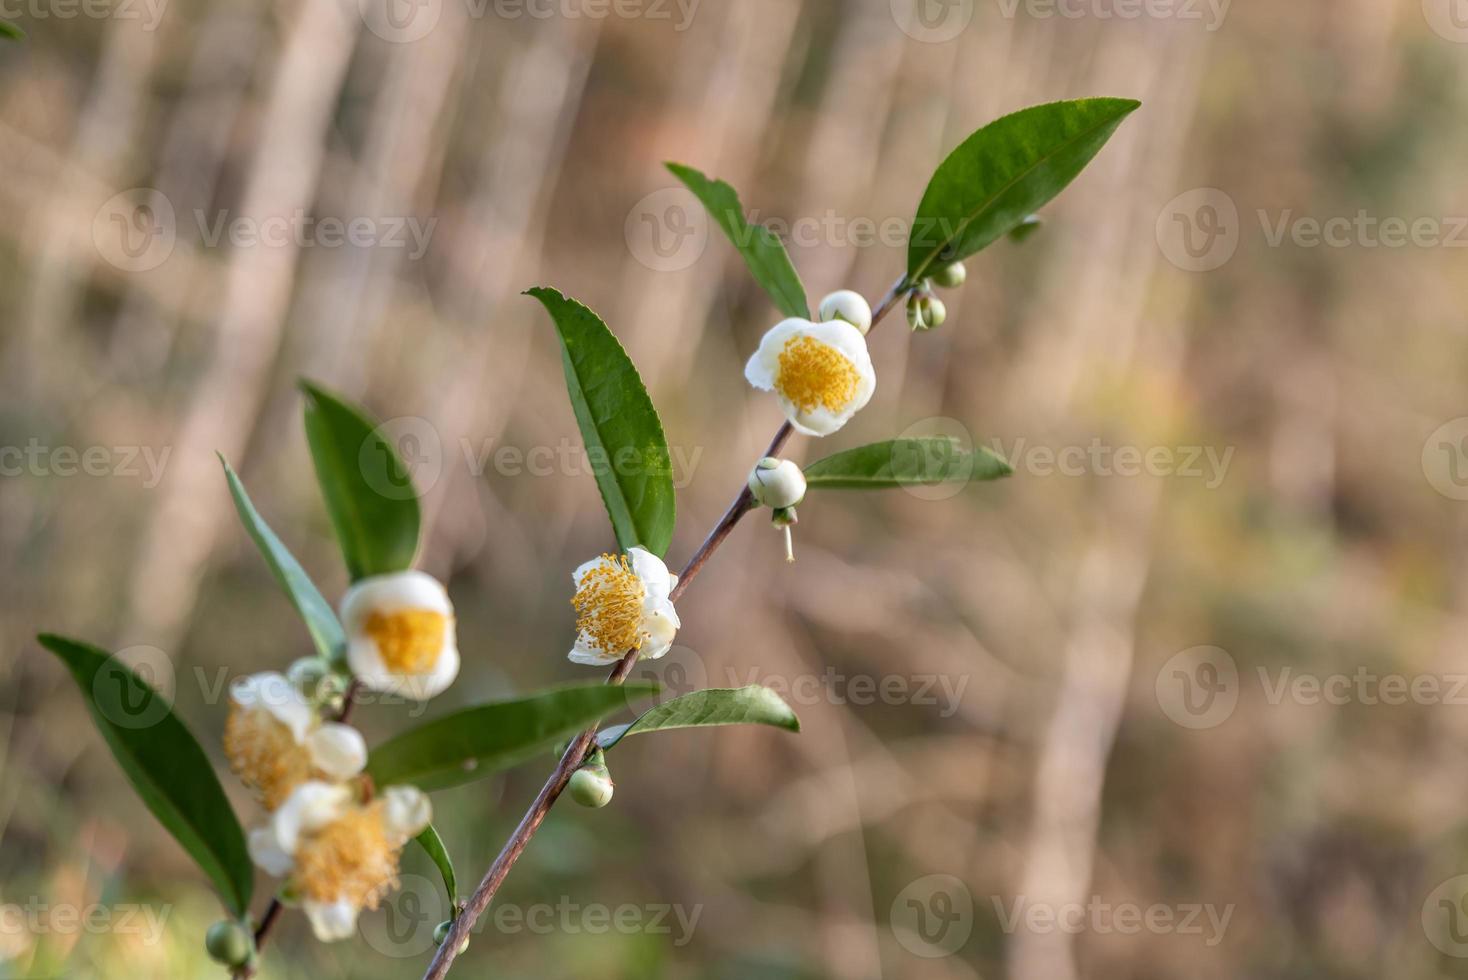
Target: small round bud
(844, 304)
(936, 312)
(951, 276)
(777, 483)
(441, 934)
(228, 943)
(591, 786)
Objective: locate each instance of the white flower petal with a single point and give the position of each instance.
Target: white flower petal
(392, 593)
(331, 921)
(848, 305)
(337, 750)
(406, 811)
(311, 806)
(388, 594)
(444, 671)
(268, 855)
(651, 572)
(587, 566)
(586, 652)
(764, 365)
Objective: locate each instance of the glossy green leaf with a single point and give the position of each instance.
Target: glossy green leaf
(1021, 232)
(11, 31)
(1003, 173)
(476, 742)
(624, 438)
(368, 491)
(762, 249)
(321, 622)
(165, 764)
(905, 463)
(752, 705)
(432, 845)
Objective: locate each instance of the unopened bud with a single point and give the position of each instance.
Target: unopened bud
(777, 483)
(844, 304)
(441, 935)
(951, 276)
(591, 785)
(228, 943)
(925, 312)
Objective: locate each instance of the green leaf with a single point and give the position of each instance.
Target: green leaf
(476, 742)
(11, 31)
(752, 705)
(322, 623)
(905, 463)
(165, 764)
(1003, 173)
(762, 249)
(432, 844)
(1022, 231)
(624, 439)
(368, 492)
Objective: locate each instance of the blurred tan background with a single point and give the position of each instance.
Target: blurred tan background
(1184, 696)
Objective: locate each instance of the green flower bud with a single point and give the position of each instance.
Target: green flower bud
(441, 934)
(936, 312)
(229, 944)
(591, 785)
(915, 318)
(951, 276)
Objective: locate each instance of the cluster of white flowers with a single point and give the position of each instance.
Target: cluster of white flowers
(333, 836)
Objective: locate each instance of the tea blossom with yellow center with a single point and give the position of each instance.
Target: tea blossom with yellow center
(341, 856)
(622, 604)
(400, 634)
(275, 740)
(821, 372)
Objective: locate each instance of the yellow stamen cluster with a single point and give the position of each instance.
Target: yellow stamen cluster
(350, 860)
(609, 606)
(814, 374)
(264, 754)
(410, 640)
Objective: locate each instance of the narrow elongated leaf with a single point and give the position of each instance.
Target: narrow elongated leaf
(165, 764)
(432, 845)
(11, 31)
(321, 622)
(752, 705)
(1003, 173)
(905, 463)
(762, 249)
(476, 742)
(624, 438)
(368, 491)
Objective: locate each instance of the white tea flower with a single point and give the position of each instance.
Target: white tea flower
(400, 634)
(622, 604)
(275, 740)
(821, 372)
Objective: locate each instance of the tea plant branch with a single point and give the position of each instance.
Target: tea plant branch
(576, 752)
